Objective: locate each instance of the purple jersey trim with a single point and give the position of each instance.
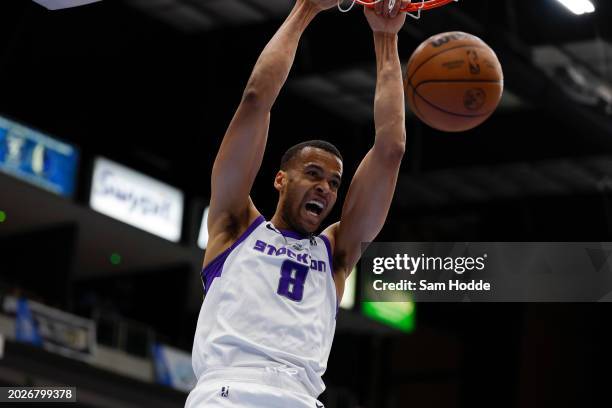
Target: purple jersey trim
(293, 234)
(329, 252)
(215, 267)
(331, 266)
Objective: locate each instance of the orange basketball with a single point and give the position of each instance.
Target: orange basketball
(454, 81)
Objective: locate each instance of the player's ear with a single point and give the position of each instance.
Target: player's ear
(280, 180)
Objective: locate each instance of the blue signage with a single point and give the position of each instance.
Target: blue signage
(38, 159)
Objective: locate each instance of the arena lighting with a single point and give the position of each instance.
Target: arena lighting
(578, 6)
(399, 315)
(115, 258)
(62, 4)
(203, 236)
(350, 287)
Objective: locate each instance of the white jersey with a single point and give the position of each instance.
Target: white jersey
(270, 304)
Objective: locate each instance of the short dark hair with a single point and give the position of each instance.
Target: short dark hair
(319, 144)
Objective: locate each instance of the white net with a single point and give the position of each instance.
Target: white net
(391, 4)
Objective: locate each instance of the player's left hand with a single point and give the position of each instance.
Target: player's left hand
(384, 19)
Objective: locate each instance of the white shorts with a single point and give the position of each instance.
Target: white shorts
(262, 390)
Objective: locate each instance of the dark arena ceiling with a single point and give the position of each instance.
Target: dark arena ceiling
(154, 83)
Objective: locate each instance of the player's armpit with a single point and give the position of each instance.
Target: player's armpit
(225, 229)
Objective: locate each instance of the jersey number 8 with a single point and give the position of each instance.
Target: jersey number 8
(293, 276)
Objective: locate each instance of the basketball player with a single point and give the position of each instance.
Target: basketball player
(266, 326)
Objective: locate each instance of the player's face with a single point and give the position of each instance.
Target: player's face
(310, 188)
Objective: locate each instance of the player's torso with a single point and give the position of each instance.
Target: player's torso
(271, 300)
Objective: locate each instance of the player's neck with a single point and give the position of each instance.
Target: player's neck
(279, 222)
(283, 224)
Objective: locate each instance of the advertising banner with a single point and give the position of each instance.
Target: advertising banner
(52, 329)
(136, 199)
(173, 368)
(37, 158)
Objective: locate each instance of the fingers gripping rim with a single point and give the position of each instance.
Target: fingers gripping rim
(413, 7)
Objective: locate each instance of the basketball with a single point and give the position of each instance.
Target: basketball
(453, 82)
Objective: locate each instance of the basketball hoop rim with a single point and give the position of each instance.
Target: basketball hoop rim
(413, 7)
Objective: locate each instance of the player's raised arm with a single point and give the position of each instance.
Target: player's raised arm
(371, 191)
(241, 152)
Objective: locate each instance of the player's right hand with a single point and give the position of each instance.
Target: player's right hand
(384, 19)
(324, 4)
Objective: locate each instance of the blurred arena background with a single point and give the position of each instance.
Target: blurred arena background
(120, 106)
